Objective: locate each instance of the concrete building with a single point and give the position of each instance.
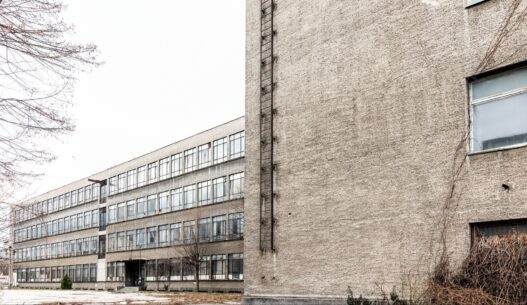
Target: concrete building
(376, 130)
(139, 222)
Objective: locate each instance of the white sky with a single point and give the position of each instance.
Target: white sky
(172, 69)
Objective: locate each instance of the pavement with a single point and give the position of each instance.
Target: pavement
(77, 297)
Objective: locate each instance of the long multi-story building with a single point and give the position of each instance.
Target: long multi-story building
(141, 222)
(381, 135)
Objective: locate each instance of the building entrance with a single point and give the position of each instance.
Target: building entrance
(133, 275)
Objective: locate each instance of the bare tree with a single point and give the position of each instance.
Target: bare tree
(191, 256)
(38, 65)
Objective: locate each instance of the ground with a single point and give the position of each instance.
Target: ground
(84, 297)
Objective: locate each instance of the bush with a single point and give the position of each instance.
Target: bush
(65, 283)
(492, 274)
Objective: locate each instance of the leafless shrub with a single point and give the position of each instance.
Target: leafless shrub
(494, 273)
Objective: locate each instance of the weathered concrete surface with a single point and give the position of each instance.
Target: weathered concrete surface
(28, 296)
(372, 102)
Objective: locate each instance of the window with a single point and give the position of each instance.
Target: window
(175, 233)
(497, 228)
(204, 268)
(102, 217)
(55, 203)
(61, 202)
(218, 189)
(190, 162)
(204, 229)
(219, 150)
(203, 155)
(130, 240)
(152, 172)
(152, 200)
(236, 185)
(87, 219)
(94, 218)
(73, 222)
(112, 213)
(132, 179)
(237, 145)
(175, 269)
(177, 159)
(152, 236)
(164, 168)
(236, 266)
(111, 242)
(163, 269)
(473, 2)
(141, 207)
(498, 105)
(177, 199)
(119, 271)
(189, 228)
(94, 191)
(112, 185)
(74, 198)
(67, 201)
(236, 225)
(121, 211)
(88, 193)
(78, 247)
(163, 235)
(80, 195)
(163, 202)
(130, 209)
(110, 271)
(93, 273)
(205, 193)
(189, 196)
(121, 241)
(151, 270)
(219, 266)
(219, 225)
(80, 221)
(140, 238)
(86, 246)
(122, 182)
(94, 245)
(141, 176)
(188, 271)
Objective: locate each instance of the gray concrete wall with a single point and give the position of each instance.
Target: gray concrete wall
(371, 105)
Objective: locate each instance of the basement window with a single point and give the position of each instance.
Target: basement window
(498, 106)
(497, 228)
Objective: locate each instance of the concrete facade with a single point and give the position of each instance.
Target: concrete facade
(199, 178)
(372, 113)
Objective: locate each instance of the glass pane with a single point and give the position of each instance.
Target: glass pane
(499, 84)
(500, 123)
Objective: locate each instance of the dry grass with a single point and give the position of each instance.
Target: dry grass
(494, 273)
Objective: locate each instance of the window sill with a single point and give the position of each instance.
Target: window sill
(498, 149)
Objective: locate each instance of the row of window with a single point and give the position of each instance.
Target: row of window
(83, 195)
(212, 267)
(203, 193)
(192, 159)
(68, 248)
(209, 229)
(80, 221)
(77, 273)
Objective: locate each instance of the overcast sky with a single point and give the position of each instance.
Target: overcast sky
(172, 69)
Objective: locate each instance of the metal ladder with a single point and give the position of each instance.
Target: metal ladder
(267, 111)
